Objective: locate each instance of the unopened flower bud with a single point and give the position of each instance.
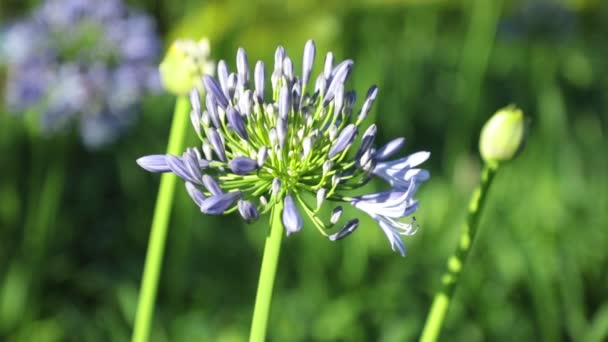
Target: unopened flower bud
(184, 65)
(503, 135)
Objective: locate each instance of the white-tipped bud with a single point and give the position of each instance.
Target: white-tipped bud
(321, 85)
(263, 201)
(327, 165)
(329, 65)
(272, 135)
(245, 103)
(232, 83)
(306, 146)
(282, 131)
(321, 193)
(300, 134)
(336, 213)
(276, 187)
(333, 132)
(221, 113)
(288, 68)
(262, 155)
(339, 99)
(207, 150)
(205, 119)
(335, 180)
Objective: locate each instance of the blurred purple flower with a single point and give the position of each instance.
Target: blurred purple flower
(81, 62)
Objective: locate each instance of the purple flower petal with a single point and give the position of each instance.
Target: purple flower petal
(367, 105)
(154, 163)
(236, 122)
(248, 211)
(242, 67)
(211, 104)
(211, 185)
(217, 204)
(213, 88)
(242, 165)
(292, 221)
(196, 195)
(178, 166)
(222, 75)
(307, 61)
(346, 230)
(216, 143)
(345, 138)
(259, 80)
(390, 148)
(284, 102)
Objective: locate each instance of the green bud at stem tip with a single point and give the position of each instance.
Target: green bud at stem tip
(503, 136)
(185, 64)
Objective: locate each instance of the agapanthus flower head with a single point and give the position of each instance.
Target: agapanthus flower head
(81, 62)
(305, 137)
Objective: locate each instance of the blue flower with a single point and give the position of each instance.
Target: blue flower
(257, 153)
(83, 63)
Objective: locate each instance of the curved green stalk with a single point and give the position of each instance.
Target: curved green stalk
(160, 223)
(267, 275)
(456, 261)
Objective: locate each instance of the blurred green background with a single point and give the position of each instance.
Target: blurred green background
(539, 267)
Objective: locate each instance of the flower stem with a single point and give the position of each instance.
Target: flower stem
(456, 261)
(160, 223)
(267, 275)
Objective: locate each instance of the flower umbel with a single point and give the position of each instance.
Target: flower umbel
(81, 62)
(256, 153)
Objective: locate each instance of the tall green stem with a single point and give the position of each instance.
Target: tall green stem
(160, 222)
(267, 275)
(456, 261)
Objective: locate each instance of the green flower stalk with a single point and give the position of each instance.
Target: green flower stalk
(260, 155)
(181, 69)
(502, 137)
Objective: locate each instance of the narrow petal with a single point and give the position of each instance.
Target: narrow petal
(178, 166)
(345, 138)
(154, 163)
(367, 105)
(393, 236)
(216, 205)
(292, 221)
(214, 88)
(346, 230)
(216, 143)
(196, 195)
(211, 185)
(236, 122)
(211, 104)
(390, 148)
(341, 74)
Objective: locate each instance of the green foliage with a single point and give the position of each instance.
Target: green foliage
(537, 270)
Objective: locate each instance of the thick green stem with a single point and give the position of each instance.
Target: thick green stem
(267, 275)
(160, 223)
(456, 261)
